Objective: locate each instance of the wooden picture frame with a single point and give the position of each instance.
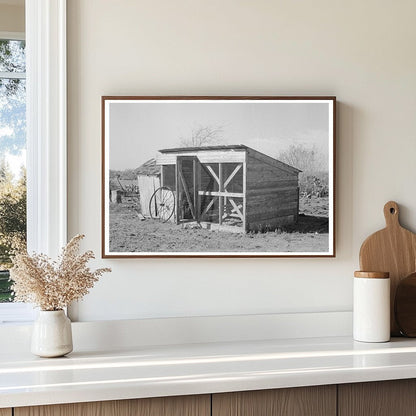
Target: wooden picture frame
(233, 176)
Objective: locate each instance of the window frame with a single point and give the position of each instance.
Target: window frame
(46, 125)
(46, 138)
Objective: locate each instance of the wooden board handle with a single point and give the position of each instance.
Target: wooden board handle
(391, 214)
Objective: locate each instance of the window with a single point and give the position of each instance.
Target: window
(12, 155)
(46, 133)
(12, 165)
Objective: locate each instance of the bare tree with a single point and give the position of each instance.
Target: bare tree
(307, 159)
(313, 180)
(202, 136)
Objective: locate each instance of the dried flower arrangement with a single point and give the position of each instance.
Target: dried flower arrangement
(53, 285)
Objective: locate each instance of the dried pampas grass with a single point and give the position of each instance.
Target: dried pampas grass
(53, 285)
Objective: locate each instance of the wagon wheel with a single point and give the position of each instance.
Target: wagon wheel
(162, 204)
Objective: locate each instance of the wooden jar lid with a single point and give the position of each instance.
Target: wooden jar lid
(372, 275)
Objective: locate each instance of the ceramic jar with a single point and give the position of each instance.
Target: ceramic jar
(371, 309)
(52, 334)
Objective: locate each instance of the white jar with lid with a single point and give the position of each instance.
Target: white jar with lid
(371, 314)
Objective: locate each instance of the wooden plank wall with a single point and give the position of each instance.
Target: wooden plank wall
(147, 186)
(272, 195)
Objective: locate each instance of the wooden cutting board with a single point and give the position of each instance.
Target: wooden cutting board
(393, 250)
(405, 306)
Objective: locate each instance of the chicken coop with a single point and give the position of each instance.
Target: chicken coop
(232, 188)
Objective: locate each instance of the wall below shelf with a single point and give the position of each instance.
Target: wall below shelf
(187, 330)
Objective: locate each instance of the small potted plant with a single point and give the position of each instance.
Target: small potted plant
(52, 286)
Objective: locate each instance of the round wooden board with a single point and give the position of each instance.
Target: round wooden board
(405, 306)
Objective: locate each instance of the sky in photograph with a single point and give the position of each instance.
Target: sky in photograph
(139, 129)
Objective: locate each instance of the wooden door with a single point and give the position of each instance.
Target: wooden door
(300, 401)
(5, 412)
(381, 398)
(187, 198)
(161, 406)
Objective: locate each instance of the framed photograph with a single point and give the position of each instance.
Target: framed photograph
(218, 176)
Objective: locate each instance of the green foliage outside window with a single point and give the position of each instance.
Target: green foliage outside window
(12, 148)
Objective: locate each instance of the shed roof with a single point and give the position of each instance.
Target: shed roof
(148, 168)
(205, 148)
(265, 158)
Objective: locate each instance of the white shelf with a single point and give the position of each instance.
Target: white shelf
(150, 371)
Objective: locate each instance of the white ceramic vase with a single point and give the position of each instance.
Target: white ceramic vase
(52, 334)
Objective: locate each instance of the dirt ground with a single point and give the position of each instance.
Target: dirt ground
(128, 233)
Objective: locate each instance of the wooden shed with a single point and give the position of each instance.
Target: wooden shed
(233, 187)
(148, 180)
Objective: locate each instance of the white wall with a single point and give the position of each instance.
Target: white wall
(361, 51)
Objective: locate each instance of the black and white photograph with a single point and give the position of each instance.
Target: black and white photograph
(218, 176)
